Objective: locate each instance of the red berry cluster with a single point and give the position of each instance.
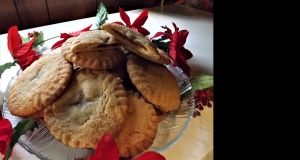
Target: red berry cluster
(32, 34)
(203, 98)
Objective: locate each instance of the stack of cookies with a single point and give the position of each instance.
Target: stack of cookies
(104, 81)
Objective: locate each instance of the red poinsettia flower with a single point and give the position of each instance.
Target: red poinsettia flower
(176, 49)
(23, 53)
(137, 24)
(66, 36)
(150, 155)
(6, 131)
(107, 149)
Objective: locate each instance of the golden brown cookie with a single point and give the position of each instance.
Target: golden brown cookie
(104, 59)
(94, 40)
(40, 84)
(155, 82)
(140, 127)
(95, 103)
(39, 114)
(136, 42)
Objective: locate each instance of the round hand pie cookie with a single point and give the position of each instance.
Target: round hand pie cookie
(136, 42)
(140, 127)
(40, 84)
(94, 103)
(102, 59)
(94, 40)
(155, 82)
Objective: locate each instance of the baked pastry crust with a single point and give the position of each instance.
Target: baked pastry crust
(140, 127)
(136, 43)
(155, 82)
(95, 103)
(40, 84)
(94, 40)
(102, 59)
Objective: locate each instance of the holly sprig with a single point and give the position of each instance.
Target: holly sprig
(202, 81)
(38, 38)
(101, 16)
(22, 49)
(202, 88)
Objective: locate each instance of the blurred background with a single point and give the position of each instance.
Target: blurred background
(34, 13)
(205, 5)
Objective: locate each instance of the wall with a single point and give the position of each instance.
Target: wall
(33, 13)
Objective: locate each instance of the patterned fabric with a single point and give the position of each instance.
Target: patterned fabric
(205, 5)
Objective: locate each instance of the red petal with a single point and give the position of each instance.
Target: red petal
(65, 35)
(27, 54)
(173, 44)
(186, 53)
(6, 131)
(176, 28)
(185, 68)
(173, 55)
(5, 123)
(144, 31)
(124, 17)
(107, 147)
(150, 155)
(168, 30)
(182, 35)
(5, 126)
(58, 43)
(157, 35)
(74, 34)
(13, 39)
(24, 48)
(2, 148)
(141, 19)
(25, 62)
(5, 134)
(182, 63)
(5, 138)
(173, 49)
(4, 141)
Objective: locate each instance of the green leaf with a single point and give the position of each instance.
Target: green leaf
(161, 43)
(202, 81)
(39, 39)
(101, 15)
(6, 66)
(25, 40)
(20, 129)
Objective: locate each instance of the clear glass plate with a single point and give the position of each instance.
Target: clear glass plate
(41, 143)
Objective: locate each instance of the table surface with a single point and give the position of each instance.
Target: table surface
(197, 141)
